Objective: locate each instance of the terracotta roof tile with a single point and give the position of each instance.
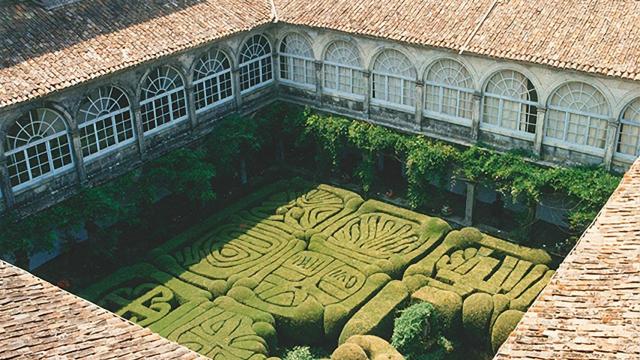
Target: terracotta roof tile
(41, 321)
(427, 22)
(591, 307)
(596, 36)
(43, 51)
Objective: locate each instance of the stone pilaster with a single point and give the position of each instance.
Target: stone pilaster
(611, 141)
(476, 113)
(419, 101)
(5, 181)
(81, 170)
(236, 87)
(541, 118)
(191, 105)
(319, 78)
(137, 122)
(368, 90)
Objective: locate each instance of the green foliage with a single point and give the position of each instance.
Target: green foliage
(430, 162)
(235, 138)
(331, 135)
(417, 333)
(427, 162)
(509, 173)
(588, 187)
(184, 171)
(238, 139)
(299, 353)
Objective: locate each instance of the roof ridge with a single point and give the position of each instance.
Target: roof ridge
(274, 11)
(477, 29)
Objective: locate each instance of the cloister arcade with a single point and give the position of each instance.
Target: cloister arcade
(44, 139)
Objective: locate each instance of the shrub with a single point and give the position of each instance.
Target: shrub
(417, 333)
(299, 353)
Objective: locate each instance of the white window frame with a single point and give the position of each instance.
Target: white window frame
(566, 111)
(245, 65)
(217, 76)
(440, 88)
(498, 128)
(353, 72)
(390, 104)
(166, 94)
(46, 140)
(406, 82)
(306, 60)
(119, 144)
(635, 106)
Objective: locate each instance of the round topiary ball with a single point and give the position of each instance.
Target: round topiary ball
(448, 306)
(349, 351)
(476, 316)
(504, 325)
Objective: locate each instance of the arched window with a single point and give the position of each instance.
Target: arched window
(296, 60)
(394, 79)
(255, 63)
(629, 137)
(449, 90)
(38, 144)
(578, 114)
(212, 80)
(163, 99)
(343, 71)
(510, 102)
(105, 120)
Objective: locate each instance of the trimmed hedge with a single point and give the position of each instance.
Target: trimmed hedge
(308, 255)
(315, 259)
(475, 277)
(376, 316)
(365, 347)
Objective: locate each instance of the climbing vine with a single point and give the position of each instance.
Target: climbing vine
(323, 142)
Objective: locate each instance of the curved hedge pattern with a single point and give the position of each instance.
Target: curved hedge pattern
(303, 259)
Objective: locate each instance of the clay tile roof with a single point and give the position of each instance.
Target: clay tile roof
(39, 320)
(43, 51)
(439, 23)
(596, 36)
(591, 307)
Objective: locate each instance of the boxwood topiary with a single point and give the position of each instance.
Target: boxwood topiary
(376, 316)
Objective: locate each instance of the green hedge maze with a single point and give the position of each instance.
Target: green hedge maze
(295, 262)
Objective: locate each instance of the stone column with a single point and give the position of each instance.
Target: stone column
(236, 87)
(419, 101)
(611, 142)
(470, 203)
(367, 92)
(191, 105)
(318, 68)
(275, 60)
(81, 170)
(475, 116)
(541, 118)
(137, 122)
(5, 181)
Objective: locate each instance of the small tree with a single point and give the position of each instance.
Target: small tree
(417, 333)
